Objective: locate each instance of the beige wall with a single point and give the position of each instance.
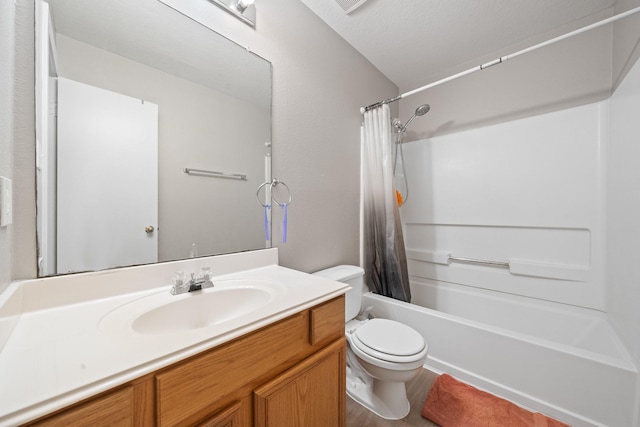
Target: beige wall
(17, 152)
(577, 71)
(573, 72)
(626, 41)
(6, 122)
(319, 83)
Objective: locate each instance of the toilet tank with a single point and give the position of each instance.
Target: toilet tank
(354, 277)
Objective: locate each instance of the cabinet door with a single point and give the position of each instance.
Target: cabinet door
(311, 394)
(229, 417)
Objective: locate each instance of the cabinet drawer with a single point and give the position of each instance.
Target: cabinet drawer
(327, 321)
(197, 388)
(112, 409)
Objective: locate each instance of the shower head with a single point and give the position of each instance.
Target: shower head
(420, 111)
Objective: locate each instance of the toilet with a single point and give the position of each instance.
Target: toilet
(382, 354)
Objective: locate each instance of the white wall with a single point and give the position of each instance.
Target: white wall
(528, 191)
(623, 213)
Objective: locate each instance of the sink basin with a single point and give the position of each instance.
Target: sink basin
(198, 311)
(163, 313)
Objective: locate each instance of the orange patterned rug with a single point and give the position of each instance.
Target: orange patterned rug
(451, 403)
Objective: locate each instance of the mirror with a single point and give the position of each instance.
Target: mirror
(143, 93)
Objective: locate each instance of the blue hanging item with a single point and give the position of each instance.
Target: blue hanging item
(267, 222)
(267, 207)
(283, 225)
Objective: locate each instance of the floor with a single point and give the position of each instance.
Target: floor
(417, 389)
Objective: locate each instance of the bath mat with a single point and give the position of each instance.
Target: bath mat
(451, 403)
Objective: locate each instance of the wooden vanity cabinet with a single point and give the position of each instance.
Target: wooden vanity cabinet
(311, 394)
(290, 373)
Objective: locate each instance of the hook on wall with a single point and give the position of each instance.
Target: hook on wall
(273, 183)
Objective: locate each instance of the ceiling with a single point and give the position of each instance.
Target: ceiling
(416, 42)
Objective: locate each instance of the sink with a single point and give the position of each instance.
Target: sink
(198, 311)
(163, 313)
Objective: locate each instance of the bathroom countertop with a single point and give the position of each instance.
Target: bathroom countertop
(59, 355)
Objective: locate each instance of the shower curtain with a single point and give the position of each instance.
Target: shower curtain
(385, 261)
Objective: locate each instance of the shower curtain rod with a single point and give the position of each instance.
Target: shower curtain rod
(503, 59)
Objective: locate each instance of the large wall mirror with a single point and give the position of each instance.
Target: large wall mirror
(153, 135)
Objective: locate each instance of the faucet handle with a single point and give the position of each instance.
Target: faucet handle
(205, 273)
(178, 284)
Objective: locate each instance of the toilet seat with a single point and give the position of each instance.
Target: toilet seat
(390, 341)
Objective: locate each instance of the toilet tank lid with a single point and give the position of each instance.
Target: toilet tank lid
(341, 273)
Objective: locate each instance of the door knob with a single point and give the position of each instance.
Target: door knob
(149, 229)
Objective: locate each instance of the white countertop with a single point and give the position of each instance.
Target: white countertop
(58, 355)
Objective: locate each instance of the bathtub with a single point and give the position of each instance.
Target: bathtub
(560, 360)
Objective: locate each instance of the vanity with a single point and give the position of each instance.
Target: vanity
(79, 352)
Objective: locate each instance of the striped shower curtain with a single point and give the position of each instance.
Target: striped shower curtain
(385, 261)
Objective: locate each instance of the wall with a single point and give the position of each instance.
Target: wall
(198, 128)
(18, 241)
(626, 46)
(573, 72)
(7, 13)
(623, 242)
(319, 83)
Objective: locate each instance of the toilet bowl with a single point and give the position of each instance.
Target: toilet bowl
(382, 354)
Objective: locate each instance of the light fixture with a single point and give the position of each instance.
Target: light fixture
(241, 9)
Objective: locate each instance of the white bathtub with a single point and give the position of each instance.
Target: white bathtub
(560, 360)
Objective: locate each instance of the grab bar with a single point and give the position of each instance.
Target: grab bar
(480, 261)
(519, 267)
(215, 174)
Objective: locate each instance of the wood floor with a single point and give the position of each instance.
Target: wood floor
(417, 389)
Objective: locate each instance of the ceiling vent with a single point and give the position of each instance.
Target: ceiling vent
(350, 5)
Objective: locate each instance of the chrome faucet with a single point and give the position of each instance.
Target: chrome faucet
(194, 284)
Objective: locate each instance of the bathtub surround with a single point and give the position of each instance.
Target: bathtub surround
(555, 192)
(385, 261)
